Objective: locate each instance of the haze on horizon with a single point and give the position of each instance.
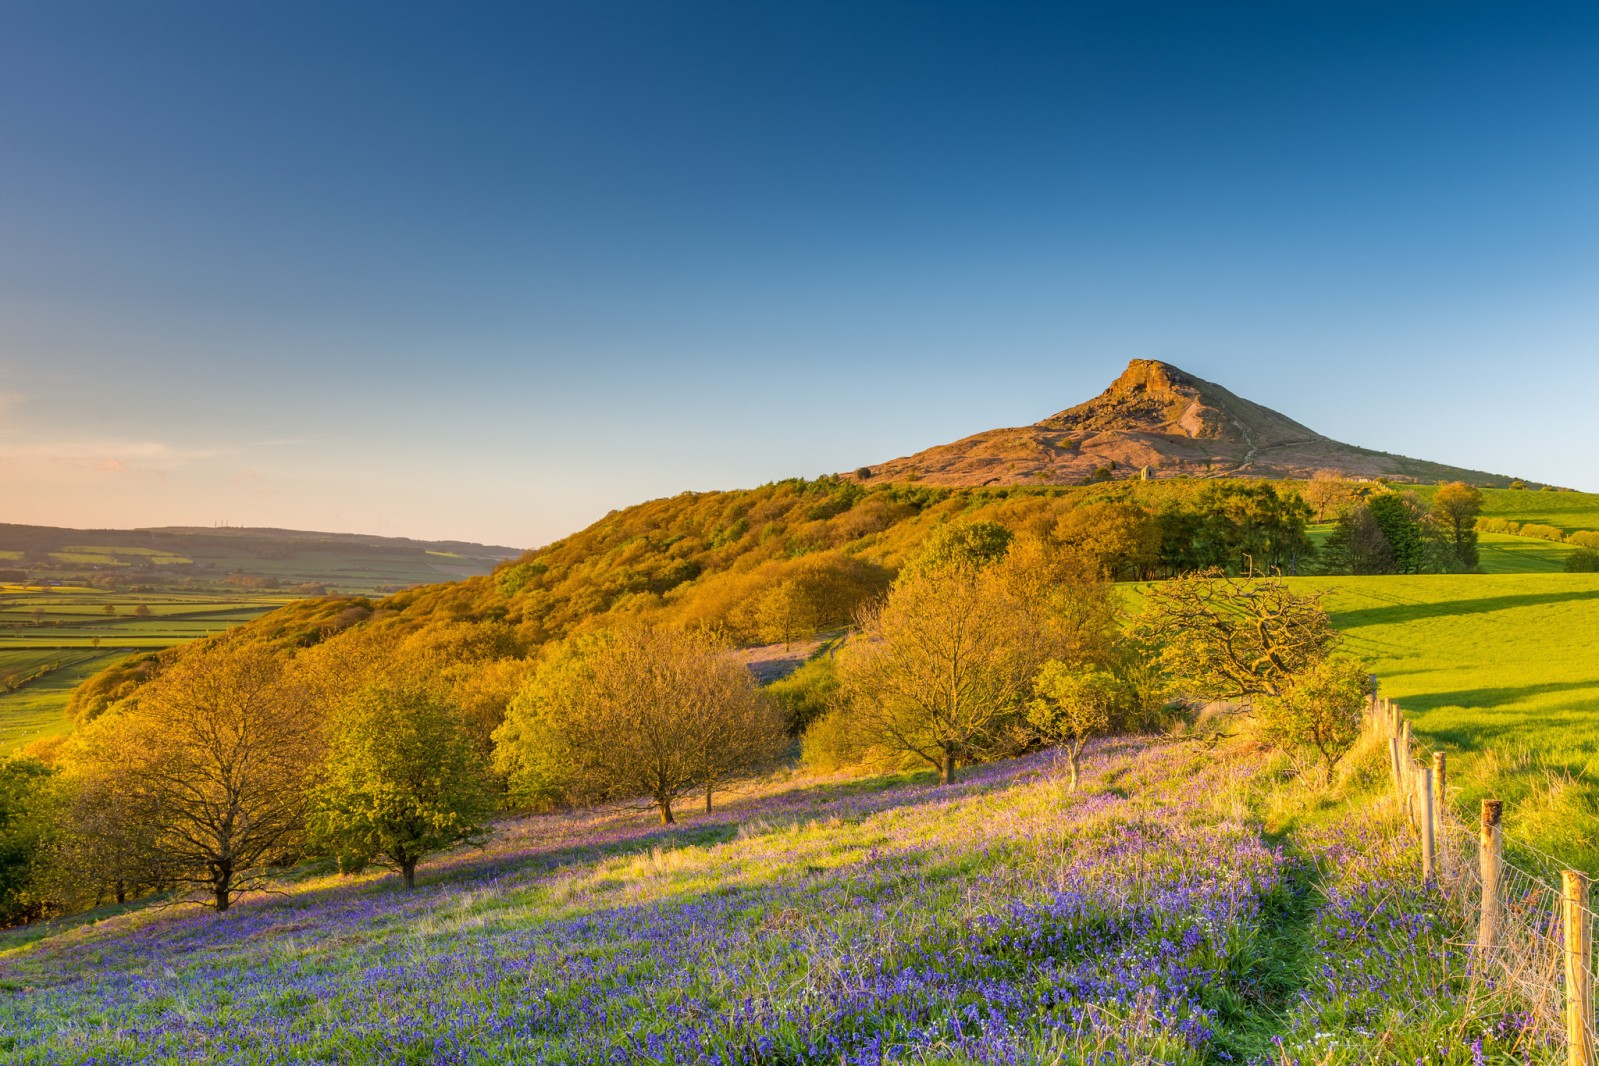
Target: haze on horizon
(486, 274)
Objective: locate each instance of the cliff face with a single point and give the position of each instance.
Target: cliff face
(1158, 418)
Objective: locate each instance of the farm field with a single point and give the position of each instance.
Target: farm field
(1502, 669)
(351, 564)
(1566, 511)
(1165, 913)
(51, 638)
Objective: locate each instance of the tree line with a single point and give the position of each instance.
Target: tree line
(362, 732)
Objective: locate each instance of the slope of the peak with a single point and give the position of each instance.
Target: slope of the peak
(1156, 420)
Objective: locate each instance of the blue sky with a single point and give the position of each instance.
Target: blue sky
(488, 271)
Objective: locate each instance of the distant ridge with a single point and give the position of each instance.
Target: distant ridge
(1158, 418)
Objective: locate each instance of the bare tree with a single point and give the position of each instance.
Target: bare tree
(1235, 638)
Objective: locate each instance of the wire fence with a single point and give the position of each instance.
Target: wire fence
(1533, 939)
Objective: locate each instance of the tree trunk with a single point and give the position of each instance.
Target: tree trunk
(408, 872)
(122, 891)
(224, 890)
(1074, 754)
(946, 770)
(666, 811)
(707, 799)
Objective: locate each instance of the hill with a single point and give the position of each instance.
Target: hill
(1180, 909)
(1159, 419)
(349, 562)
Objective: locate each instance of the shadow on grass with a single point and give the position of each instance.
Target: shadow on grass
(1412, 612)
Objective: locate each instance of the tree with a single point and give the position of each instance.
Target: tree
(1073, 706)
(106, 844)
(972, 544)
(26, 806)
(943, 664)
(1583, 561)
(634, 711)
(401, 781)
(1399, 518)
(142, 611)
(109, 609)
(1320, 710)
(1357, 545)
(1233, 638)
(216, 756)
(1117, 539)
(1456, 507)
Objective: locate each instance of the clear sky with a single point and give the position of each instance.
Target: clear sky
(488, 271)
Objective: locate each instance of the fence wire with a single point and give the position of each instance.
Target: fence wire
(1529, 954)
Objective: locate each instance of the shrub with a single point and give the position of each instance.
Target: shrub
(1543, 532)
(1584, 538)
(805, 695)
(1583, 561)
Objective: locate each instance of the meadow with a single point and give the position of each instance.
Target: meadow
(1187, 906)
(53, 637)
(1503, 671)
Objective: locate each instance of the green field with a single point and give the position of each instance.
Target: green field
(1566, 511)
(66, 633)
(1502, 669)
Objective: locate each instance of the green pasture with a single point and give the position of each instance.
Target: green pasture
(36, 711)
(1501, 669)
(69, 627)
(1481, 659)
(1566, 511)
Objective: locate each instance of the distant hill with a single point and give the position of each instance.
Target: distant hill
(348, 562)
(1158, 418)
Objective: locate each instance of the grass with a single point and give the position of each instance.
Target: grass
(68, 625)
(1566, 511)
(37, 710)
(1187, 907)
(1501, 669)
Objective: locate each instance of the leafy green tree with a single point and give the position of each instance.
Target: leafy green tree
(1357, 545)
(1456, 506)
(216, 756)
(972, 545)
(1072, 706)
(1399, 518)
(1320, 711)
(401, 781)
(1583, 561)
(635, 711)
(942, 667)
(26, 823)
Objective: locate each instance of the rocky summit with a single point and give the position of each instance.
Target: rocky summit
(1156, 420)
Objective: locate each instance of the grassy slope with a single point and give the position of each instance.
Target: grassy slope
(1566, 511)
(1502, 669)
(35, 711)
(79, 635)
(1188, 907)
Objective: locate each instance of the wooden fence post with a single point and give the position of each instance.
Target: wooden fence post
(1490, 855)
(1429, 846)
(1393, 765)
(1578, 923)
(1440, 805)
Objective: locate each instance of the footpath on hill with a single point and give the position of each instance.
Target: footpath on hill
(1188, 905)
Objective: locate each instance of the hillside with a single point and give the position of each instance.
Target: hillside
(348, 562)
(1185, 907)
(1158, 418)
